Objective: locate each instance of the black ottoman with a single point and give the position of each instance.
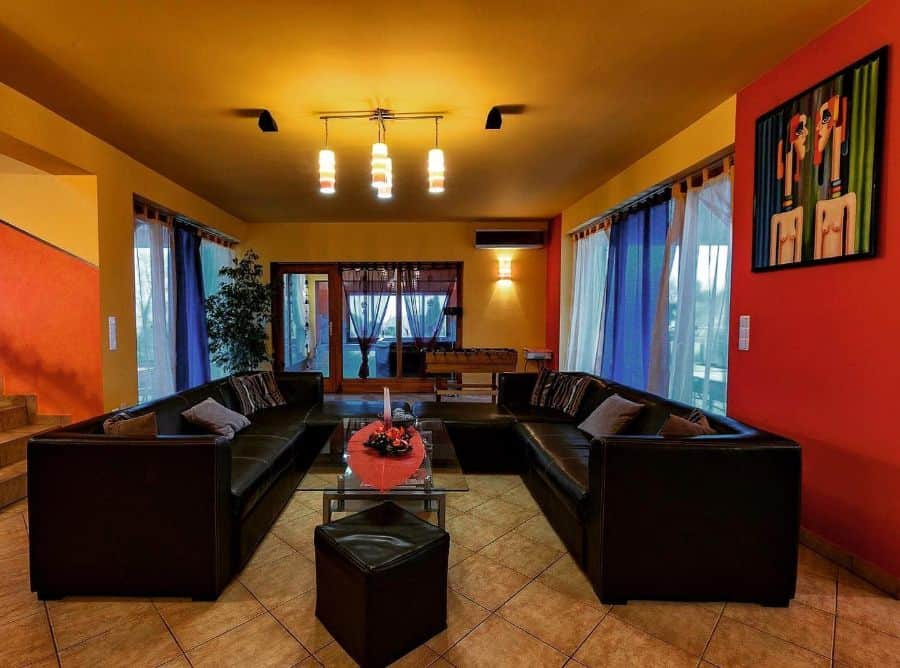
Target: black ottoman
(381, 582)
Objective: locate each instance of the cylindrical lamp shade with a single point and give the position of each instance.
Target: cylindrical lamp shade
(326, 171)
(385, 190)
(379, 164)
(435, 171)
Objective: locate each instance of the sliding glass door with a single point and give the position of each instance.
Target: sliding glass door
(305, 314)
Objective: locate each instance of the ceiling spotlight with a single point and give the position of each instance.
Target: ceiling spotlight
(266, 122)
(494, 119)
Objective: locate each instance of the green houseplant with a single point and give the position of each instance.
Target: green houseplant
(237, 315)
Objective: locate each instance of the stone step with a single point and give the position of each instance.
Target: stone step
(13, 483)
(13, 415)
(28, 400)
(14, 443)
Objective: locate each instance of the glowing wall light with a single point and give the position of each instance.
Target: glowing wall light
(504, 269)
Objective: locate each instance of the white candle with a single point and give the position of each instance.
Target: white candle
(387, 407)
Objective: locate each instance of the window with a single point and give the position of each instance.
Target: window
(674, 340)
(214, 256)
(154, 301)
(378, 298)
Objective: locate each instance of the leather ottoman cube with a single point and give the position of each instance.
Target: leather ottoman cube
(381, 582)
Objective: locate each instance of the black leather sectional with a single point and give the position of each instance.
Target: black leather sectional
(712, 518)
(174, 515)
(703, 518)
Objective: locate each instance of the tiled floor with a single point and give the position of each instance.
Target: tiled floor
(515, 599)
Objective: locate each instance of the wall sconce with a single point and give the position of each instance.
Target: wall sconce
(504, 269)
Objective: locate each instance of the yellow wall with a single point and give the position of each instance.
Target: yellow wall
(495, 314)
(61, 210)
(29, 128)
(709, 135)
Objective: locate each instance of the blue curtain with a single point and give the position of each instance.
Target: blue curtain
(191, 341)
(637, 247)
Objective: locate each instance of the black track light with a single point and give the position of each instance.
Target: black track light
(267, 122)
(494, 119)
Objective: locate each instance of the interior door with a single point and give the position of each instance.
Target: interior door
(306, 314)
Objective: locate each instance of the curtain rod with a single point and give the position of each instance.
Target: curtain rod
(680, 183)
(153, 211)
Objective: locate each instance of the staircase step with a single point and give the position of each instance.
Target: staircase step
(13, 483)
(28, 400)
(12, 416)
(13, 444)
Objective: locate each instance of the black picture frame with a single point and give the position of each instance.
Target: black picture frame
(764, 196)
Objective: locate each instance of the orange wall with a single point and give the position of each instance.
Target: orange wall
(824, 367)
(49, 326)
(34, 134)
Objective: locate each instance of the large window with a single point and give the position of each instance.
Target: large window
(154, 302)
(161, 362)
(393, 314)
(672, 340)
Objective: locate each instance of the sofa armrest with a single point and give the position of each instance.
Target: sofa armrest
(305, 388)
(514, 388)
(697, 518)
(129, 515)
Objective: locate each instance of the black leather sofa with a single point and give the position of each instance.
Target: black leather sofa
(177, 514)
(703, 518)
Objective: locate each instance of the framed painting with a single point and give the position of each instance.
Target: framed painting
(817, 173)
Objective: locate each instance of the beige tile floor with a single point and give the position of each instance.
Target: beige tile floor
(515, 599)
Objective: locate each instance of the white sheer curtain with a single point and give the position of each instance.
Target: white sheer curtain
(214, 256)
(698, 290)
(154, 288)
(586, 330)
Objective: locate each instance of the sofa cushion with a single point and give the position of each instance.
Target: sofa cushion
(464, 412)
(649, 421)
(538, 414)
(285, 421)
(122, 424)
(256, 462)
(334, 410)
(560, 452)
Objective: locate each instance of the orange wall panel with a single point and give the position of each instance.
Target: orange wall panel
(50, 334)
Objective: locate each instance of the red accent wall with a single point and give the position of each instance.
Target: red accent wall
(824, 364)
(554, 260)
(49, 326)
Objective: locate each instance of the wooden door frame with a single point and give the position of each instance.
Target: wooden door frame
(277, 270)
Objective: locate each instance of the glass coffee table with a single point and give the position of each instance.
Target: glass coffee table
(428, 481)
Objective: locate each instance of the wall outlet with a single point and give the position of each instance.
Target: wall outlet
(744, 332)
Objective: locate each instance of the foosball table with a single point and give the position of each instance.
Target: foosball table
(468, 360)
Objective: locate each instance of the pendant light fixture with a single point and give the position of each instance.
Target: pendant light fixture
(382, 165)
(326, 167)
(435, 165)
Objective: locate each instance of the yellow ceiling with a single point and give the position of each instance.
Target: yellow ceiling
(169, 82)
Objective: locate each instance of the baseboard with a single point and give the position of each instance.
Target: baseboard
(856, 565)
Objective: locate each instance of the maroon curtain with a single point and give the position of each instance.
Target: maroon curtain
(426, 293)
(367, 291)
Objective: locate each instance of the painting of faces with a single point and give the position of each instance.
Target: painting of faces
(817, 170)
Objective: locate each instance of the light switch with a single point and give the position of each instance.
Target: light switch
(113, 334)
(744, 332)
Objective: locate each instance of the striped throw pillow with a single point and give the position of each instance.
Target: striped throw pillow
(255, 391)
(559, 391)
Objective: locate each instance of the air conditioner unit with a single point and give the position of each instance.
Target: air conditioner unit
(509, 239)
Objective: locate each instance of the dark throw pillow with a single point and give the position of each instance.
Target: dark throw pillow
(122, 424)
(256, 391)
(562, 392)
(678, 426)
(215, 417)
(610, 417)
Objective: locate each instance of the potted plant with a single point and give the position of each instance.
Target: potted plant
(237, 315)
